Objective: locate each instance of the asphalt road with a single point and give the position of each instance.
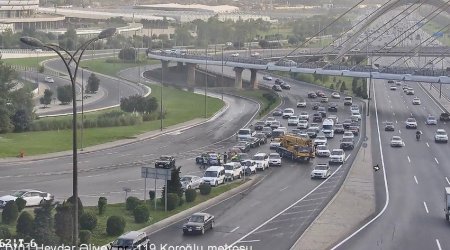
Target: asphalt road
(276, 211)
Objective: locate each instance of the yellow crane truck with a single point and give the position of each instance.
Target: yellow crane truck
(296, 148)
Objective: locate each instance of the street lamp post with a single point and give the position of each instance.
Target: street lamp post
(31, 41)
(206, 78)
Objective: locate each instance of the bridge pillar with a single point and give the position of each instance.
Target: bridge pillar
(164, 66)
(191, 73)
(253, 79)
(238, 77)
(179, 66)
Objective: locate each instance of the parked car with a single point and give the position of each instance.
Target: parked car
(49, 79)
(315, 105)
(274, 159)
(248, 166)
(32, 197)
(165, 161)
(233, 170)
(312, 95)
(286, 86)
(261, 160)
(198, 223)
(277, 112)
(335, 95)
(276, 88)
(267, 78)
(130, 240)
(190, 182)
(214, 175)
(444, 117)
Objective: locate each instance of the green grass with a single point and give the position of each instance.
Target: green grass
(26, 62)
(432, 27)
(181, 106)
(109, 68)
(99, 236)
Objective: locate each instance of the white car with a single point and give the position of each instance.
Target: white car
(268, 78)
(32, 197)
(354, 108)
(337, 156)
(270, 120)
(190, 182)
(335, 95)
(314, 126)
(440, 136)
(49, 79)
(233, 170)
(321, 170)
(235, 54)
(398, 83)
(356, 116)
(288, 112)
(304, 116)
(393, 87)
(301, 104)
(334, 118)
(320, 140)
(293, 120)
(322, 151)
(411, 123)
(261, 160)
(274, 159)
(302, 124)
(416, 101)
(431, 120)
(249, 167)
(348, 134)
(397, 141)
(275, 143)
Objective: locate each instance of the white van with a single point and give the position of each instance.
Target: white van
(233, 170)
(348, 100)
(131, 240)
(214, 175)
(261, 160)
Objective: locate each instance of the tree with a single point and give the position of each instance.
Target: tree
(21, 203)
(343, 87)
(264, 44)
(182, 35)
(64, 222)
(293, 40)
(64, 94)
(102, 202)
(93, 84)
(43, 225)
(5, 233)
(127, 54)
(174, 185)
(80, 205)
(47, 98)
(115, 225)
(24, 227)
(21, 121)
(137, 103)
(141, 214)
(10, 213)
(88, 221)
(354, 84)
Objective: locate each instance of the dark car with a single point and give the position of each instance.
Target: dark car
(276, 88)
(322, 111)
(347, 143)
(332, 107)
(165, 161)
(389, 126)
(254, 142)
(339, 128)
(354, 129)
(198, 223)
(259, 125)
(315, 105)
(347, 123)
(312, 95)
(317, 117)
(312, 133)
(243, 146)
(320, 93)
(444, 117)
(267, 131)
(278, 81)
(261, 137)
(285, 85)
(277, 112)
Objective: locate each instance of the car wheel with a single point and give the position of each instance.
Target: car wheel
(216, 184)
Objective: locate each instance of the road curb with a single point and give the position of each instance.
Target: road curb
(200, 207)
(351, 206)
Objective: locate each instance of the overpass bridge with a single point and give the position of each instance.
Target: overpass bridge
(239, 64)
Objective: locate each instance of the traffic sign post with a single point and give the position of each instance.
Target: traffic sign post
(156, 174)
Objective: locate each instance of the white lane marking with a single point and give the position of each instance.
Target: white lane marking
(399, 131)
(396, 121)
(438, 244)
(284, 188)
(426, 208)
(415, 178)
(247, 241)
(236, 228)
(266, 230)
(386, 187)
(411, 112)
(428, 145)
(129, 180)
(90, 176)
(409, 160)
(436, 160)
(447, 180)
(393, 113)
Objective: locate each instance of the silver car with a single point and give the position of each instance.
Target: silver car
(190, 182)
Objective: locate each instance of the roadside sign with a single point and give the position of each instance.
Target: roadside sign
(156, 173)
(364, 145)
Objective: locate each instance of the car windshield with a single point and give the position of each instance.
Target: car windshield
(431, 118)
(411, 120)
(275, 156)
(336, 153)
(321, 167)
(321, 147)
(185, 179)
(246, 163)
(293, 117)
(321, 137)
(196, 218)
(259, 123)
(258, 158)
(347, 140)
(389, 123)
(244, 132)
(304, 113)
(338, 126)
(19, 193)
(164, 158)
(228, 167)
(210, 174)
(441, 132)
(123, 243)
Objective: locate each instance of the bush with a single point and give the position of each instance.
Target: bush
(190, 195)
(80, 205)
(102, 202)
(132, 203)
(141, 214)
(181, 201)
(151, 194)
(10, 213)
(24, 226)
(115, 225)
(205, 189)
(85, 236)
(21, 203)
(172, 201)
(5, 233)
(88, 221)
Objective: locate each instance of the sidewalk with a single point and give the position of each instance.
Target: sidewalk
(354, 203)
